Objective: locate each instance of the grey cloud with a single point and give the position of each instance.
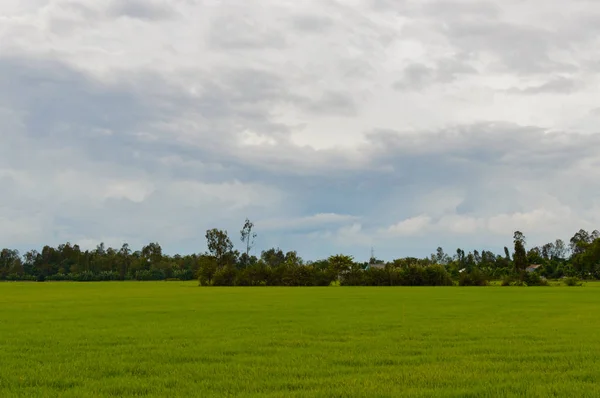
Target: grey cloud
(237, 31)
(150, 10)
(462, 9)
(311, 23)
(418, 76)
(522, 49)
(79, 9)
(482, 161)
(132, 156)
(559, 85)
(332, 103)
(387, 5)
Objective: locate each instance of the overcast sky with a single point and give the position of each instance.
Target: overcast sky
(333, 125)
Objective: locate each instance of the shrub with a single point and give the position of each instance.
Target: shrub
(17, 277)
(377, 277)
(572, 281)
(355, 276)
(183, 274)
(412, 275)
(323, 277)
(473, 278)
(436, 275)
(224, 277)
(57, 277)
(507, 280)
(534, 279)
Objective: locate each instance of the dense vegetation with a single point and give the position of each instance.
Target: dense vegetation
(222, 265)
(176, 340)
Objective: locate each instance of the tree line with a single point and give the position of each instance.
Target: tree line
(223, 265)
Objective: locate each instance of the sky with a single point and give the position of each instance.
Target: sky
(334, 125)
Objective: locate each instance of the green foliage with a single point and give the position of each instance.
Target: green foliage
(275, 268)
(572, 281)
(473, 278)
(520, 255)
(207, 267)
(340, 264)
(527, 279)
(220, 246)
(150, 275)
(224, 276)
(409, 275)
(534, 279)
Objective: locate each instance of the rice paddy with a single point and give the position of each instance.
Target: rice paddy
(175, 339)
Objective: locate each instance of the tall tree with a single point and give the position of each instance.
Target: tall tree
(247, 235)
(560, 250)
(520, 255)
(273, 257)
(579, 241)
(219, 245)
(340, 263)
(507, 254)
(125, 259)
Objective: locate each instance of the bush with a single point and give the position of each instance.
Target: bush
(354, 277)
(473, 278)
(183, 274)
(572, 281)
(57, 277)
(412, 275)
(436, 275)
(150, 275)
(534, 279)
(224, 277)
(17, 277)
(323, 277)
(377, 277)
(408, 275)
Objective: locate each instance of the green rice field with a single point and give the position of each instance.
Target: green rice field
(175, 339)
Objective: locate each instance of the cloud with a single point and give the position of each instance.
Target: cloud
(411, 226)
(311, 23)
(315, 221)
(418, 76)
(559, 85)
(144, 10)
(334, 126)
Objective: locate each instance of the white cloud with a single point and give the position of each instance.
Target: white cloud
(316, 221)
(418, 225)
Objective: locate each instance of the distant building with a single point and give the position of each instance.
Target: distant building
(378, 266)
(533, 267)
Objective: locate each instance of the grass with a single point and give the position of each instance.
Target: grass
(174, 339)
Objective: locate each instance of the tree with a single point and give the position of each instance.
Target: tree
(560, 250)
(273, 257)
(520, 255)
(293, 260)
(219, 245)
(124, 257)
(152, 253)
(507, 254)
(579, 241)
(10, 262)
(340, 263)
(207, 267)
(247, 235)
